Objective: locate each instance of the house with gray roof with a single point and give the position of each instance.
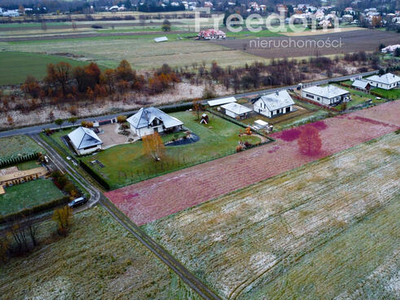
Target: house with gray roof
(362, 85)
(387, 81)
(236, 110)
(84, 141)
(274, 104)
(326, 95)
(150, 119)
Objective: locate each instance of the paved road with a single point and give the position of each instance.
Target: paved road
(98, 198)
(39, 128)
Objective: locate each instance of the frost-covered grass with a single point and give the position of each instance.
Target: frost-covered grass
(97, 260)
(314, 232)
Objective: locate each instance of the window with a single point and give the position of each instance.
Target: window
(309, 96)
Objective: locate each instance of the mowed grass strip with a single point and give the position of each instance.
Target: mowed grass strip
(16, 66)
(255, 236)
(128, 163)
(97, 260)
(27, 195)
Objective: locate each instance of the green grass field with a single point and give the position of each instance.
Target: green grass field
(97, 260)
(125, 164)
(327, 229)
(140, 50)
(16, 66)
(388, 94)
(17, 146)
(27, 195)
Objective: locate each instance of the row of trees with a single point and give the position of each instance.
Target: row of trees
(64, 81)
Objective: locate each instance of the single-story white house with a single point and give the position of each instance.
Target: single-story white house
(274, 104)
(361, 85)
(149, 120)
(84, 140)
(327, 95)
(236, 110)
(388, 81)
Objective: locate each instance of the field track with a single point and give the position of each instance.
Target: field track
(159, 197)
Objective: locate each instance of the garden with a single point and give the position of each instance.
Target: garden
(392, 94)
(125, 164)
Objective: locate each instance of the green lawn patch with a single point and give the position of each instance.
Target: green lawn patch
(125, 164)
(16, 66)
(27, 165)
(388, 94)
(27, 195)
(15, 148)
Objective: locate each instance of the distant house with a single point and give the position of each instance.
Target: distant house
(388, 81)
(211, 34)
(84, 140)
(149, 120)
(361, 85)
(327, 95)
(236, 110)
(274, 104)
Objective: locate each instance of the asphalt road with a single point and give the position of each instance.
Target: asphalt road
(39, 128)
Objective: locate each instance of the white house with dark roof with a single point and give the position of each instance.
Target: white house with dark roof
(388, 81)
(274, 104)
(326, 95)
(84, 140)
(236, 110)
(149, 120)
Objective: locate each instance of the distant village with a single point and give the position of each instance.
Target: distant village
(356, 13)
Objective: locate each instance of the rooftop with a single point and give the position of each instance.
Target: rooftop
(236, 108)
(145, 116)
(387, 78)
(277, 100)
(329, 91)
(84, 137)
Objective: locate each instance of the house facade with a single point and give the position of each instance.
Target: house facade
(84, 141)
(150, 120)
(326, 95)
(274, 104)
(387, 81)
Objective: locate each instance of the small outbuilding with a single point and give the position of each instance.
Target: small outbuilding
(221, 101)
(361, 85)
(84, 141)
(236, 110)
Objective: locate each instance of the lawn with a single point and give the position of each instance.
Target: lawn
(305, 113)
(27, 195)
(315, 232)
(17, 146)
(98, 259)
(359, 97)
(16, 66)
(27, 165)
(125, 164)
(393, 94)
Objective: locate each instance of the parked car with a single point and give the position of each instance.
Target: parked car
(77, 202)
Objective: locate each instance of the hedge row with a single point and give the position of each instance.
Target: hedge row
(19, 159)
(177, 108)
(96, 176)
(34, 210)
